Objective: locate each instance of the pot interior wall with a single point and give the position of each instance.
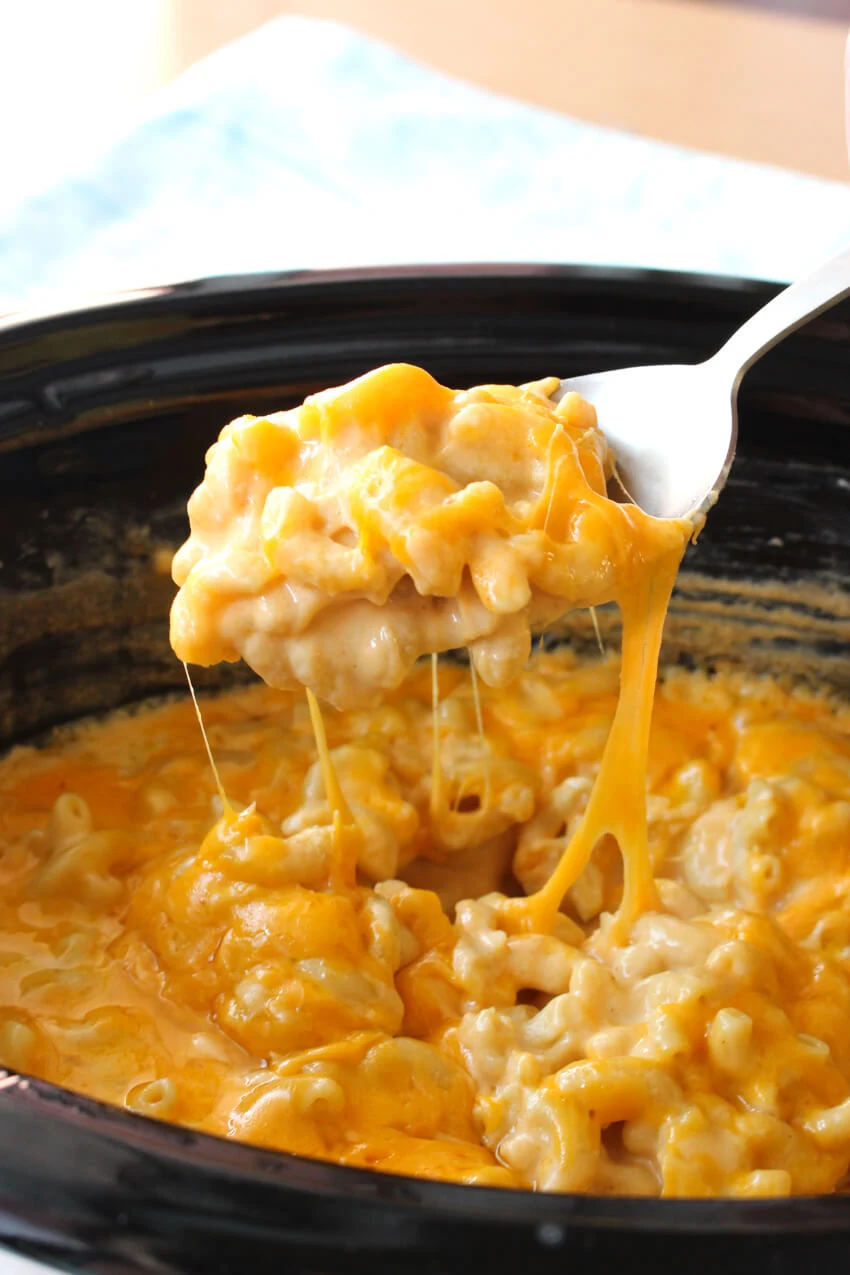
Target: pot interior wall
(94, 473)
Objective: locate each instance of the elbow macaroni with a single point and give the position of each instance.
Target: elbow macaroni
(334, 544)
(216, 978)
(336, 959)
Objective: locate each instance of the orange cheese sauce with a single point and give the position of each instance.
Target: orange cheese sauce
(214, 972)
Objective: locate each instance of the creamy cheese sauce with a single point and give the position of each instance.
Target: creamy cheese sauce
(223, 974)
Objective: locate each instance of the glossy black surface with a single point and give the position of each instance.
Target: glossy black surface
(105, 414)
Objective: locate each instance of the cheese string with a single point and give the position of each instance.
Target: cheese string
(617, 804)
(226, 807)
(553, 469)
(482, 739)
(437, 802)
(333, 792)
(347, 837)
(595, 618)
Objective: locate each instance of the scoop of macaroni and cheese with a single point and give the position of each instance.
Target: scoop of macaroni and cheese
(334, 544)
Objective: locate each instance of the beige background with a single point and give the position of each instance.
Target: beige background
(762, 80)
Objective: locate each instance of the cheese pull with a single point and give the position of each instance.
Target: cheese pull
(335, 544)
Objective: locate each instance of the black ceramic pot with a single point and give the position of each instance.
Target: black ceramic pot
(105, 414)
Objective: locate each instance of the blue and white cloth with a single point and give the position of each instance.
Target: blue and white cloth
(307, 145)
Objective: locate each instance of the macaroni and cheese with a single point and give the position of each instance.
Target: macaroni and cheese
(527, 930)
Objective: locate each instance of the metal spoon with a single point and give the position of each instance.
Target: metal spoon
(674, 426)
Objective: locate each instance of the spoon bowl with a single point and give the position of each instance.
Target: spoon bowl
(674, 427)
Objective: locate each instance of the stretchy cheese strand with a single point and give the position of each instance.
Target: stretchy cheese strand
(617, 804)
(346, 836)
(437, 801)
(482, 738)
(226, 807)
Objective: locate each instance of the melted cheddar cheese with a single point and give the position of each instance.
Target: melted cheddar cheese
(219, 972)
(524, 934)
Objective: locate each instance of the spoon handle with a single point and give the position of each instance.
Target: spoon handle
(787, 311)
